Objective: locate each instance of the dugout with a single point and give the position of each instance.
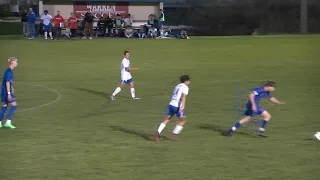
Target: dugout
(139, 9)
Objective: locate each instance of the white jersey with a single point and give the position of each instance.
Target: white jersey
(46, 19)
(177, 94)
(125, 75)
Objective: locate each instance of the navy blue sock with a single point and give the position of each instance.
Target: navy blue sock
(2, 111)
(234, 127)
(263, 123)
(11, 112)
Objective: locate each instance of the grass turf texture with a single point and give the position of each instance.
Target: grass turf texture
(85, 135)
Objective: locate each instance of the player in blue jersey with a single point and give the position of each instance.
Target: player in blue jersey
(7, 93)
(253, 108)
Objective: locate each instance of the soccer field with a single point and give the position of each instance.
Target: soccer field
(68, 128)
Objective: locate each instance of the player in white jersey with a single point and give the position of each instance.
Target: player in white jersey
(176, 107)
(126, 77)
(46, 20)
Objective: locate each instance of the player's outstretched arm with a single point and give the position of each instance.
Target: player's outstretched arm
(276, 101)
(131, 69)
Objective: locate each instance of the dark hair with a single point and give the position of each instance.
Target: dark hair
(270, 83)
(184, 78)
(45, 11)
(125, 52)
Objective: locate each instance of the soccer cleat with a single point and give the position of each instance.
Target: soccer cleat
(90, 38)
(156, 136)
(113, 97)
(45, 38)
(135, 98)
(227, 134)
(174, 137)
(9, 125)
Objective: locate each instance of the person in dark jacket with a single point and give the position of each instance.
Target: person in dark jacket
(109, 25)
(88, 20)
(24, 21)
(102, 26)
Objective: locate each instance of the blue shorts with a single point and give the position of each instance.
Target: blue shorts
(172, 110)
(127, 81)
(4, 98)
(47, 27)
(162, 23)
(249, 111)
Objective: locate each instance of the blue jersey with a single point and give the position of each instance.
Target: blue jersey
(259, 94)
(7, 77)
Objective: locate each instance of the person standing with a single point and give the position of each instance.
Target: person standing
(31, 20)
(58, 22)
(24, 21)
(73, 25)
(88, 25)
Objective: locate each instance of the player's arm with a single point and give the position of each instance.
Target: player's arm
(251, 98)
(276, 101)
(131, 69)
(183, 101)
(8, 80)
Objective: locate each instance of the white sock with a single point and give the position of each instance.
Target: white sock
(50, 33)
(161, 127)
(118, 89)
(177, 129)
(45, 34)
(8, 121)
(133, 92)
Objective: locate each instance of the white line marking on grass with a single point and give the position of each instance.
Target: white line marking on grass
(46, 104)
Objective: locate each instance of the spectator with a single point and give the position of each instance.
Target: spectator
(153, 33)
(128, 32)
(151, 20)
(161, 18)
(142, 32)
(31, 24)
(24, 21)
(58, 23)
(118, 24)
(88, 27)
(73, 25)
(184, 34)
(109, 25)
(128, 21)
(102, 26)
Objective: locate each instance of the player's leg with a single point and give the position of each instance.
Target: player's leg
(117, 90)
(132, 90)
(266, 118)
(13, 108)
(2, 112)
(50, 31)
(171, 112)
(180, 124)
(45, 29)
(237, 125)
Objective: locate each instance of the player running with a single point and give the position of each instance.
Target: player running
(126, 77)
(176, 107)
(7, 93)
(253, 108)
(46, 20)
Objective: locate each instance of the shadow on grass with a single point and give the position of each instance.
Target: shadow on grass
(145, 136)
(99, 93)
(221, 130)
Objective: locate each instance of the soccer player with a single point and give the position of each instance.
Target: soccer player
(7, 93)
(126, 77)
(253, 108)
(46, 20)
(176, 107)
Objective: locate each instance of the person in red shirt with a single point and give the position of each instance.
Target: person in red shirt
(73, 25)
(58, 22)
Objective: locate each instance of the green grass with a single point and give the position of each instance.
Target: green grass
(84, 135)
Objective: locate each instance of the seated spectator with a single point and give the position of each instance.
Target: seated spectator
(142, 31)
(109, 25)
(118, 22)
(151, 19)
(102, 26)
(184, 34)
(153, 32)
(128, 32)
(128, 21)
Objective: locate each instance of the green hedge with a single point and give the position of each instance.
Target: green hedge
(10, 28)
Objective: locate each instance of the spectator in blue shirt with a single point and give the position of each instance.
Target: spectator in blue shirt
(31, 20)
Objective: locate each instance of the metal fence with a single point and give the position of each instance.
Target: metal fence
(241, 17)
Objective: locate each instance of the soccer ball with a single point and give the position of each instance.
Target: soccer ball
(317, 136)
